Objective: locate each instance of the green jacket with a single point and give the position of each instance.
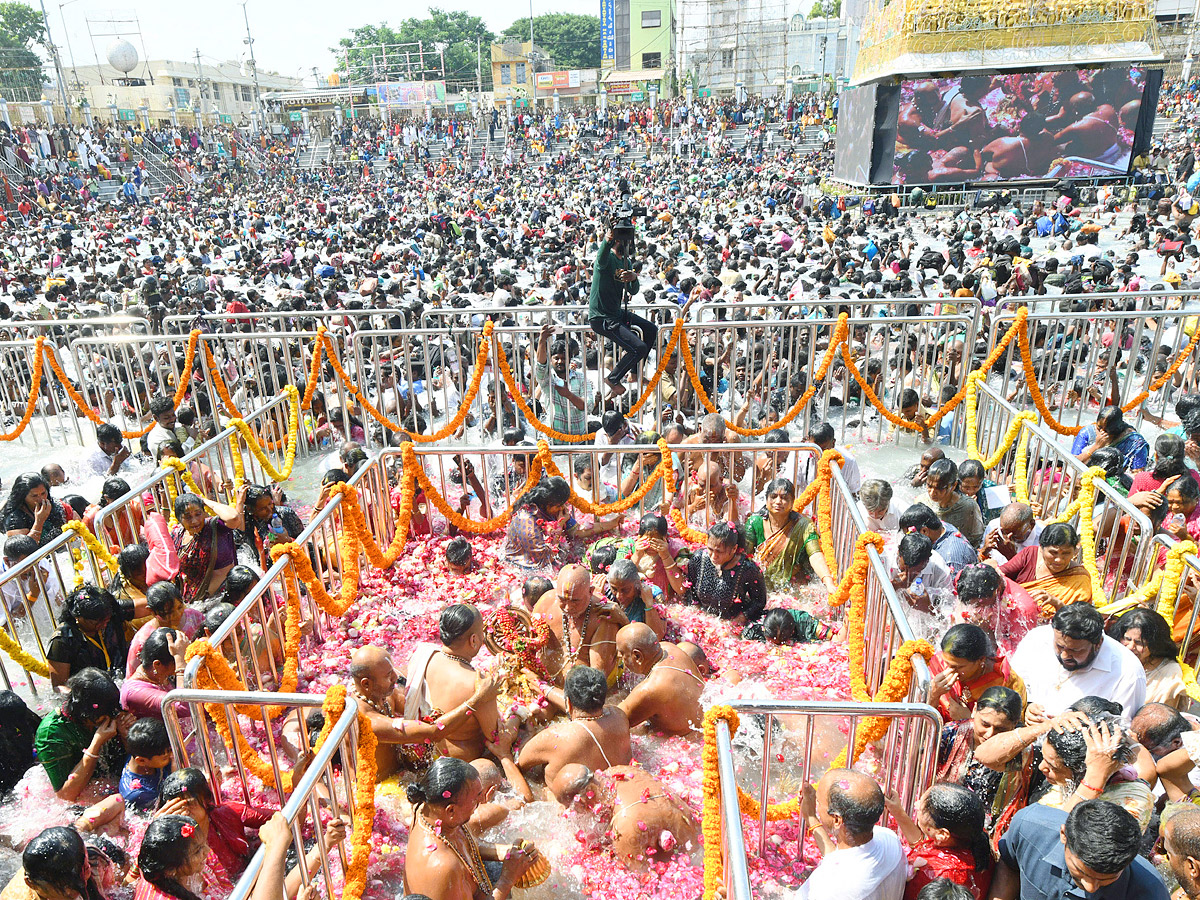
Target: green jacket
(604, 302)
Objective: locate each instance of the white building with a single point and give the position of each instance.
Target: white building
(815, 48)
(724, 44)
(224, 91)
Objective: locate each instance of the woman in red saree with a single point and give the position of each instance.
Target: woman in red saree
(1003, 790)
(968, 665)
(946, 840)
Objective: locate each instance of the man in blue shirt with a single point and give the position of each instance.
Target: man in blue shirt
(1092, 852)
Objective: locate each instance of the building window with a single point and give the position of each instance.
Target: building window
(726, 59)
(651, 18)
(651, 60)
(216, 91)
(795, 71)
(505, 73)
(520, 73)
(246, 95)
(175, 82)
(621, 20)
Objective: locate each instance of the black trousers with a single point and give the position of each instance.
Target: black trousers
(631, 333)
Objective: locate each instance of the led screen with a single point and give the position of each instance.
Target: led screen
(1075, 123)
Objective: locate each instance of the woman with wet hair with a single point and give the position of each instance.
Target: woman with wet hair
(444, 859)
(171, 860)
(205, 544)
(70, 739)
(946, 840)
(91, 633)
(55, 866)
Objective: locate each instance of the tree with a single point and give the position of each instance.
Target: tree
(573, 40)
(452, 34)
(829, 9)
(21, 74)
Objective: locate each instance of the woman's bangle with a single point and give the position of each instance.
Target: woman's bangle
(89, 755)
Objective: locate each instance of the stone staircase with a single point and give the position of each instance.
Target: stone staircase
(634, 155)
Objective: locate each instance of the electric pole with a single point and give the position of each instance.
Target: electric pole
(253, 63)
(479, 65)
(58, 71)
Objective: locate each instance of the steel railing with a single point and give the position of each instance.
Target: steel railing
(329, 781)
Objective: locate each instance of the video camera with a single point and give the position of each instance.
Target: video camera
(626, 210)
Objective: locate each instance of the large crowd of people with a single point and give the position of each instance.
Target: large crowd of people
(1066, 766)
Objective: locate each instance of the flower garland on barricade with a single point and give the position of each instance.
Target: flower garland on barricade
(840, 331)
(34, 390)
(178, 466)
(617, 506)
(1021, 469)
(323, 348)
(94, 544)
(256, 449)
(180, 390)
(326, 343)
(20, 657)
(950, 405)
(1087, 528)
(518, 398)
(893, 688)
(1010, 436)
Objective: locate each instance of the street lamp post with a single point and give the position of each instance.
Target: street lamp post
(67, 36)
(58, 71)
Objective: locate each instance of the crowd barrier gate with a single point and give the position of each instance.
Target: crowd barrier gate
(329, 779)
(31, 620)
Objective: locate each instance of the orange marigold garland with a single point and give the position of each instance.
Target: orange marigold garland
(527, 411)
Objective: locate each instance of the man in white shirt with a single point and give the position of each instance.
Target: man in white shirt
(615, 431)
(859, 860)
(1011, 532)
(1072, 657)
(912, 559)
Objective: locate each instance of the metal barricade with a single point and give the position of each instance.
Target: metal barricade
(907, 757)
(252, 638)
(55, 418)
(501, 473)
(31, 596)
(887, 626)
(211, 466)
(62, 331)
(1075, 365)
(1123, 532)
(118, 375)
(249, 323)
(329, 780)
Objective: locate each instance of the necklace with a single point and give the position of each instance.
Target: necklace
(474, 865)
(387, 706)
(580, 718)
(566, 626)
(458, 659)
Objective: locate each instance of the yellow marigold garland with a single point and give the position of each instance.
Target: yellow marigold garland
(1087, 529)
(527, 411)
(20, 657)
(255, 448)
(605, 509)
(1010, 436)
(894, 688)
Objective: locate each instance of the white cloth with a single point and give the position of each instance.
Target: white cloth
(890, 520)
(416, 700)
(876, 870)
(1115, 674)
(850, 471)
(1030, 541)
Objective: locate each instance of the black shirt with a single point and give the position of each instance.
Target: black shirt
(107, 651)
(728, 593)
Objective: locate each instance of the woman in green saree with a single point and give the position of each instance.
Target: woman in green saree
(785, 543)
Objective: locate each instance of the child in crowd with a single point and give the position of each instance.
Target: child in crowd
(149, 763)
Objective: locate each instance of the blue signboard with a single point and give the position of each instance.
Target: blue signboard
(608, 32)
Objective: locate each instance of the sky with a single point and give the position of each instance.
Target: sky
(290, 36)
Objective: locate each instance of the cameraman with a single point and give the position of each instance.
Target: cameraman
(612, 276)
